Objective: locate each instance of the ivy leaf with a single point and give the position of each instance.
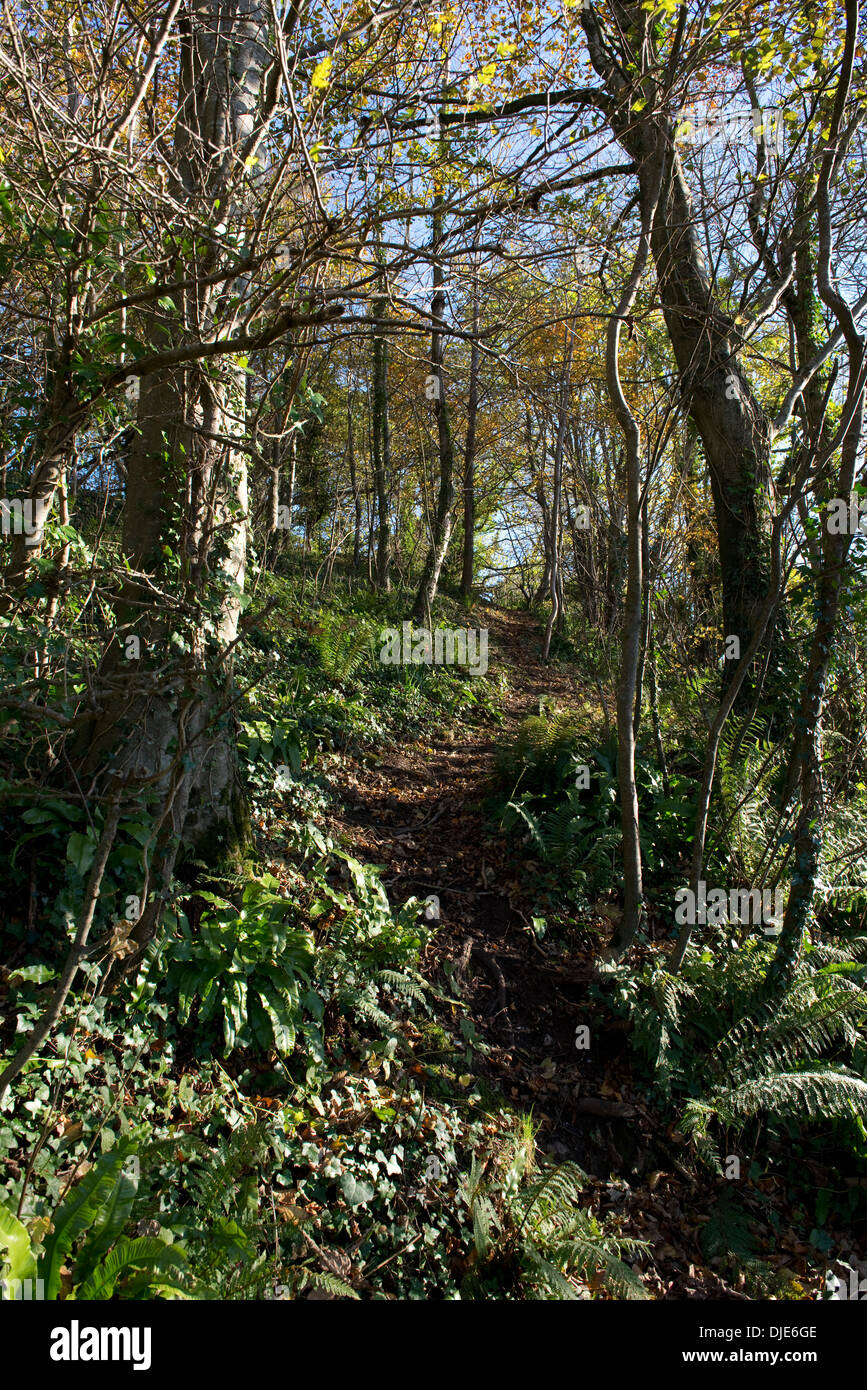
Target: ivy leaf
(356, 1193)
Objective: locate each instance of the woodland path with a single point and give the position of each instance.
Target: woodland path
(417, 812)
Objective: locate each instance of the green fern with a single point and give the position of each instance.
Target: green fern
(657, 1018)
(541, 740)
(744, 809)
(727, 1233)
(807, 1019)
(536, 1236)
(342, 647)
(328, 1283)
(818, 1094)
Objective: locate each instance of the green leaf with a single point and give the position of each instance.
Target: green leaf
(281, 1013)
(234, 1011)
(356, 1193)
(80, 850)
(15, 1246)
(32, 974)
(81, 1208)
(115, 1215)
(147, 1251)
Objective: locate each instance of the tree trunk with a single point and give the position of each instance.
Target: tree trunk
(441, 529)
(731, 424)
(630, 646)
(166, 719)
(356, 492)
(807, 754)
(381, 442)
(470, 452)
(563, 419)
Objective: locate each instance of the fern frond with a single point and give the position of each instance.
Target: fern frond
(819, 1094)
(545, 1278)
(561, 1186)
(727, 1231)
(589, 1252)
(329, 1283)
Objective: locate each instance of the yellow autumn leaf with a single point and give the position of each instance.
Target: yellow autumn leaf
(321, 73)
(487, 74)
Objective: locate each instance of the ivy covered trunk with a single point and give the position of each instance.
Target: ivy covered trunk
(167, 720)
(805, 771)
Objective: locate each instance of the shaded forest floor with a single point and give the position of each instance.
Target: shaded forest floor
(417, 812)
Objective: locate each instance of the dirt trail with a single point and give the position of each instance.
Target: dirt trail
(417, 813)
